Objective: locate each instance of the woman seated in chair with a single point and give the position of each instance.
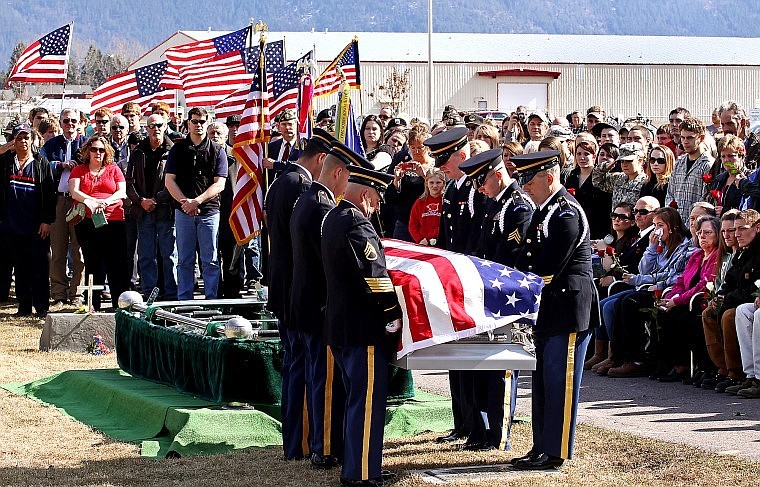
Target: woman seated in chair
(624, 233)
(663, 262)
(681, 327)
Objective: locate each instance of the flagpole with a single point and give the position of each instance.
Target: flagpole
(66, 69)
(430, 62)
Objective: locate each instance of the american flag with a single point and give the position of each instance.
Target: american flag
(253, 134)
(200, 51)
(210, 82)
(235, 103)
(285, 85)
(136, 85)
(45, 60)
(446, 296)
(348, 61)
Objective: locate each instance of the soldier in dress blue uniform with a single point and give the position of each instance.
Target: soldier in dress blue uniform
(461, 216)
(557, 248)
(279, 202)
(308, 297)
(362, 309)
(505, 222)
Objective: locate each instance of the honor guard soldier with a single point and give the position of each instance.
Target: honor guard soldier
(461, 215)
(508, 212)
(279, 202)
(557, 249)
(308, 297)
(362, 309)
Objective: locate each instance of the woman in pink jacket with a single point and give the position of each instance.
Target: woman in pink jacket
(681, 328)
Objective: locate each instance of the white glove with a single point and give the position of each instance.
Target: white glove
(393, 326)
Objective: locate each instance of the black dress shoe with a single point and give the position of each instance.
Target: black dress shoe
(454, 435)
(542, 462)
(705, 376)
(478, 446)
(531, 455)
(673, 376)
(722, 385)
(326, 462)
(696, 376)
(372, 482)
(710, 383)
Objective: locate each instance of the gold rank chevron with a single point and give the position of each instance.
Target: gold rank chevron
(369, 252)
(547, 279)
(515, 235)
(379, 284)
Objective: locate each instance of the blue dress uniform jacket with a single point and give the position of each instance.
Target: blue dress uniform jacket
(505, 223)
(360, 296)
(308, 297)
(462, 212)
(360, 301)
(557, 248)
(280, 199)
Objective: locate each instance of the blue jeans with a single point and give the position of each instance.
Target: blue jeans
(154, 233)
(203, 230)
(607, 306)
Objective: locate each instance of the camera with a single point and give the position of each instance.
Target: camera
(521, 116)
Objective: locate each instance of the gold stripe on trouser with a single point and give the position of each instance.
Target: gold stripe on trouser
(569, 380)
(330, 362)
(305, 419)
(368, 411)
(507, 419)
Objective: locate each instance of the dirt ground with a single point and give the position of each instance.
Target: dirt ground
(41, 446)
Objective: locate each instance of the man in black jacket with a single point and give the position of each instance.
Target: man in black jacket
(557, 249)
(27, 208)
(151, 208)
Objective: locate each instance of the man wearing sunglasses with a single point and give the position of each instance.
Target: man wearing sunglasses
(117, 136)
(152, 210)
(196, 170)
(63, 153)
(101, 125)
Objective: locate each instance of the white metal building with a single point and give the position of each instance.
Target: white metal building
(625, 75)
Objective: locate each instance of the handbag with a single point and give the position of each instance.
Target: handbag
(76, 213)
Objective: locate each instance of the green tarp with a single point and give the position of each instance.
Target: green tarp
(217, 369)
(163, 420)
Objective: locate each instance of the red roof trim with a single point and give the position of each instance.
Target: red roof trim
(533, 73)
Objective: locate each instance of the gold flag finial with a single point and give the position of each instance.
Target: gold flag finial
(262, 28)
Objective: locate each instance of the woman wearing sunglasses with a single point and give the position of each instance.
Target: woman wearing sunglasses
(658, 171)
(100, 185)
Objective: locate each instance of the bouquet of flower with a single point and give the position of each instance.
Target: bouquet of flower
(714, 298)
(97, 347)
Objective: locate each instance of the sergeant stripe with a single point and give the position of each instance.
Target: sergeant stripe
(368, 411)
(327, 420)
(379, 284)
(507, 418)
(569, 380)
(547, 279)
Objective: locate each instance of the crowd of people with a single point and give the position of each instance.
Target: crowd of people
(674, 258)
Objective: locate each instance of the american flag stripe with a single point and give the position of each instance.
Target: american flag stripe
(139, 86)
(199, 51)
(348, 61)
(234, 104)
(45, 60)
(213, 81)
(447, 296)
(253, 134)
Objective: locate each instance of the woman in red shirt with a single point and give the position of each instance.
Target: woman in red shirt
(100, 185)
(425, 218)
